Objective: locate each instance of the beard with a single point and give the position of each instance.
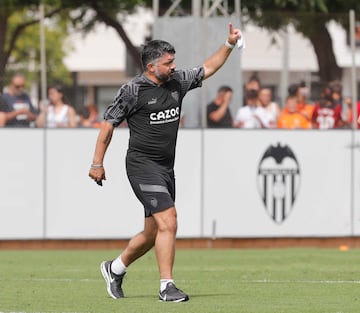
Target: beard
(163, 77)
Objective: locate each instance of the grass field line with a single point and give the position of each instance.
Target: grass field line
(38, 312)
(255, 281)
(270, 281)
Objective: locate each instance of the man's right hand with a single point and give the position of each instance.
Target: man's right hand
(97, 174)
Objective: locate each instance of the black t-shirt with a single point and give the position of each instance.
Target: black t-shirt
(225, 122)
(153, 114)
(10, 103)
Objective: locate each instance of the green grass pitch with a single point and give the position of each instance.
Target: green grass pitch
(293, 280)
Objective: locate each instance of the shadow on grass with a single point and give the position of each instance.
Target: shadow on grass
(198, 295)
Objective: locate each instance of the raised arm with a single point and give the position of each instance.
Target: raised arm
(212, 64)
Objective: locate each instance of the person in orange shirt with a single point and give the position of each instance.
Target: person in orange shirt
(301, 92)
(303, 106)
(290, 118)
(349, 112)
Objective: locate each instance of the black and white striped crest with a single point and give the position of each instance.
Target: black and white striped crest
(278, 181)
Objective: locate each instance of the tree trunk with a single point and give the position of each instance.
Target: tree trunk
(322, 43)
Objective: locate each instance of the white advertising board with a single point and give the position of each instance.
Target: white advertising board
(356, 181)
(21, 184)
(277, 183)
(76, 206)
(230, 183)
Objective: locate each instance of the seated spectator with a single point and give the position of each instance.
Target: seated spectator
(327, 113)
(58, 113)
(17, 106)
(273, 109)
(290, 118)
(218, 112)
(252, 115)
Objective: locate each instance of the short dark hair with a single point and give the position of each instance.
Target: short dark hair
(293, 89)
(153, 50)
(336, 86)
(224, 88)
(254, 78)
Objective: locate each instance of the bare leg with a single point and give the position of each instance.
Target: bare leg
(140, 243)
(165, 241)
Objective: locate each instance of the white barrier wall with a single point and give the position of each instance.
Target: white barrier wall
(303, 194)
(356, 193)
(230, 183)
(21, 183)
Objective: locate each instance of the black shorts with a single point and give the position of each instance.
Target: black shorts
(156, 191)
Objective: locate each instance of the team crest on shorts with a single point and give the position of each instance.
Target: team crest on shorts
(278, 181)
(154, 202)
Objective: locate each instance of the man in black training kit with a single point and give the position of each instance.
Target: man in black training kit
(151, 103)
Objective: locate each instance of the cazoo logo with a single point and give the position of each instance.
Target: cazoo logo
(278, 181)
(165, 116)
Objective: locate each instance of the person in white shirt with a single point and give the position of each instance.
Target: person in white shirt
(273, 109)
(252, 115)
(58, 113)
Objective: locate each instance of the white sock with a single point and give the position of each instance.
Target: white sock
(117, 266)
(163, 283)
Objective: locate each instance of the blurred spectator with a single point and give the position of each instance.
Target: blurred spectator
(2, 114)
(17, 106)
(290, 118)
(301, 91)
(252, 115)
(58, 113)
(88, 116)
(218, 112)
(336, 92)
(2, 119)
(349, 112)
(273, 109)
(252, 84)
(327, 113)
(357, 34)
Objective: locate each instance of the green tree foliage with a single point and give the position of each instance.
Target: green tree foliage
(25, 56)
(19, 41)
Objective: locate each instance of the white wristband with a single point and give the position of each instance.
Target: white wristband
(229, 45)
